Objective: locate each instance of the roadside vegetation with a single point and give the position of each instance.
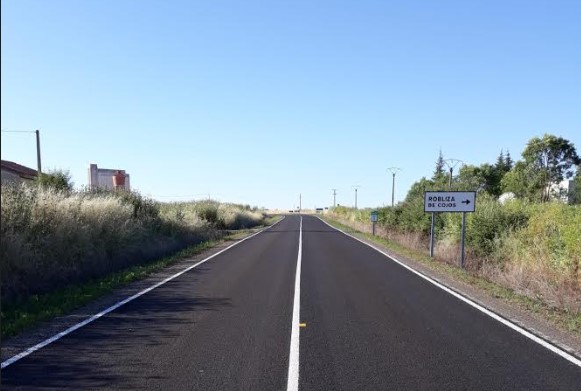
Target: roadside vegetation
(20, 315)
(53, 237)
(530, 244)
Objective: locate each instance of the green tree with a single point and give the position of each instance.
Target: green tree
(508, 162)
(57, 179)
(552, 159)
(485, 177)
(501, 162)
(418, 188)
(439, 171)
(523, 181)
(470, 178)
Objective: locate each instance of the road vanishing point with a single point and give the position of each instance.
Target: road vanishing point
(297, 306)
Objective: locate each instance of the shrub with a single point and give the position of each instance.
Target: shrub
(553, 234)
(412, 217)
(491, 220)
(143, 208)
(57, 180)
(208, 210)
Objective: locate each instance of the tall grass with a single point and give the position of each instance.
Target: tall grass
(534, 249)
(217, 215)
(51, 238)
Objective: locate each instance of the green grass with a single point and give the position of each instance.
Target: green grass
(559, 317)
(21, 316)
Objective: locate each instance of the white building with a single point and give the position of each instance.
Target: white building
(103, 178)
(564, 191)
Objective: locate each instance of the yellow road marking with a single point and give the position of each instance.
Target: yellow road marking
(302, 325)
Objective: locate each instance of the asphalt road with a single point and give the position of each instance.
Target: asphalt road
(226, 325)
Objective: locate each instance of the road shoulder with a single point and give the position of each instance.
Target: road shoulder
(528, 320)
(47, 329)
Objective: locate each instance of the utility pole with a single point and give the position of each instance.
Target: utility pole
(300, 202)
(334, 197)
(356, 187)
(37, 132)
(452, 163)
(393, 171)
(38, 151)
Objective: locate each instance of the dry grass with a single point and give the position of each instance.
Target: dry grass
(51, 238)
(541, 260)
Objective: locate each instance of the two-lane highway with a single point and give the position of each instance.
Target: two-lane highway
(370, 324)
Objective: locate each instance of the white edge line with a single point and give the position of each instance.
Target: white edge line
(58, 336)
(479, 307)
(293, 360)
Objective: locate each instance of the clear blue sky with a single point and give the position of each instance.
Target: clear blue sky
(258, 101)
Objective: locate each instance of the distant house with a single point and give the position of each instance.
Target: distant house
(103, 177)
(17, 173)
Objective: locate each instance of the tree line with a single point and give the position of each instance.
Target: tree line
(545, 161)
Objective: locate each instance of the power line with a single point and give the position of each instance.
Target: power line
(17, 131)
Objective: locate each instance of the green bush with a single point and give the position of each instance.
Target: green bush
(142, 207)
(413, 218)
(491, 221)
(57, 180)
(388, 217)
(553, 234)
(208, 211)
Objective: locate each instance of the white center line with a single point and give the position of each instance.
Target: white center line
(293, 362)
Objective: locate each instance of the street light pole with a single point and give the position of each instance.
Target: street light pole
(393, 171)
(451, 163)
(450, 178)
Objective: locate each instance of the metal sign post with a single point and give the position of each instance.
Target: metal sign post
(432, 236)
(463, 236)
(450, 201)
(374, 218)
